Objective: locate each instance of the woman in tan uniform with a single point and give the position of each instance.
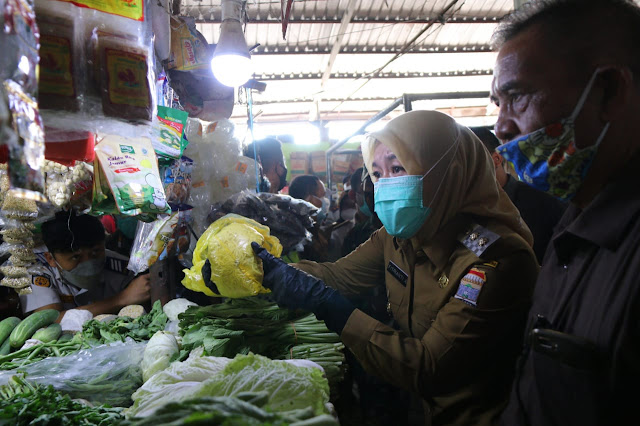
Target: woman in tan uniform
(457, 264)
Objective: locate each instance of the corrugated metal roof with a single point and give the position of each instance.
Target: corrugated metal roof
(451, 55)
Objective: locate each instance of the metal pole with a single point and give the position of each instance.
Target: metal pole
(406, 100)
(360, 131)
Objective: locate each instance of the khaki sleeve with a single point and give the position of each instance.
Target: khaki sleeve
(356, 274)
(461, 339)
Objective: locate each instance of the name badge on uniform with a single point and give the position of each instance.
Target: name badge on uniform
(397, 273)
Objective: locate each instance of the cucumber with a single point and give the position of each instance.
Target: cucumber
(29, 325)
(49, 333)
(5, 348)
(6, 327)
(65, 337)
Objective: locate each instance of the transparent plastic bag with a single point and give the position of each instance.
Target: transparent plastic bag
(106, 374)
(224, 254)
(150, 242)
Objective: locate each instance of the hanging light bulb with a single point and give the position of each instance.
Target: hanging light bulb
(231, 63)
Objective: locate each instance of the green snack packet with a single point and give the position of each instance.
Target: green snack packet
(168, 130)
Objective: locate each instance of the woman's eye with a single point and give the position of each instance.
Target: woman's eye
(397, 169)
(376, 175)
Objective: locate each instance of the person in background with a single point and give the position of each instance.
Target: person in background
(272, 164)
(311, 189)
(366, 221)
(456, 262)
(539, 210)
(567, 81)
(79, 273)
(347, 213)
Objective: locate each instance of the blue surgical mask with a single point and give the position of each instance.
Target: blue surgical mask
(398, 201)
(548, 158)
(364, 209)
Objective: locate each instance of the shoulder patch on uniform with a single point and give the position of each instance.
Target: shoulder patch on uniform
(470, 286)
(41, 280)
(479, 239)
(116, 265)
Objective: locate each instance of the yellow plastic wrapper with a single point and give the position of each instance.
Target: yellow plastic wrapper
(235, 270)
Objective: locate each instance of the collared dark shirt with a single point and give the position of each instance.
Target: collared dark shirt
(588, 289)
(539, 210)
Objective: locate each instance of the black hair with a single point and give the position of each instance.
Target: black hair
(269, 151)
(303, 186)
(581, 30)
(487, 137)
(68, 232)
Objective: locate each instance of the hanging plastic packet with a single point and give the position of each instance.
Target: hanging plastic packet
(127, 180)
(177, 180)
(26, 149)
(124, 72)
(60, 79)
(168, 132)
(151, 240)
(19, 40)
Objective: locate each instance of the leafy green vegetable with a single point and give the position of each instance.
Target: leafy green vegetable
(141, 328)
(22, 403)
(242, 326)
(244, 409)
(24, 357)
(288, 386)
(158, 354)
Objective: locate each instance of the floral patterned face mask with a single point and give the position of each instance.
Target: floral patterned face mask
(548, 158)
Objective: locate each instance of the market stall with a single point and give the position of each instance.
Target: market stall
(111, 110)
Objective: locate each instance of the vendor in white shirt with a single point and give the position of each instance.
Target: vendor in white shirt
(79, 273)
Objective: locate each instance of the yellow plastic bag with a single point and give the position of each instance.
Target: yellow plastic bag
(235, 270)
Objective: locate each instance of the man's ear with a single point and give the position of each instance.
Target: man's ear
(618, 87)
(50, 260)
(497, 159)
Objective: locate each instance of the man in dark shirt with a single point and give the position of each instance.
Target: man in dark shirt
(540, 211)
(567, 81)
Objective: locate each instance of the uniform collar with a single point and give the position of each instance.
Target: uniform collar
(439, 248)
(606, 220)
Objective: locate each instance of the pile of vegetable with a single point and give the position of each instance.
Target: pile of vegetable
(288, 385)
(106, 374)
(22, 403)
(241, 326)
(244, 409)
(117, 330)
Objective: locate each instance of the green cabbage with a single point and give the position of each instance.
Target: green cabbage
(289, 387)
(158, 354)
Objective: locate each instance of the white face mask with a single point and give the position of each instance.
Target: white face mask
(87, 275)
(348, 214)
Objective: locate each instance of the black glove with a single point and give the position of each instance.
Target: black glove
(295, 289)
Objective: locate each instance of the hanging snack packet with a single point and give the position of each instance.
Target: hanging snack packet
(59, 74)
(26, 144)
(127, 178)
(168, 131)
(177, 180)
(123, 70)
